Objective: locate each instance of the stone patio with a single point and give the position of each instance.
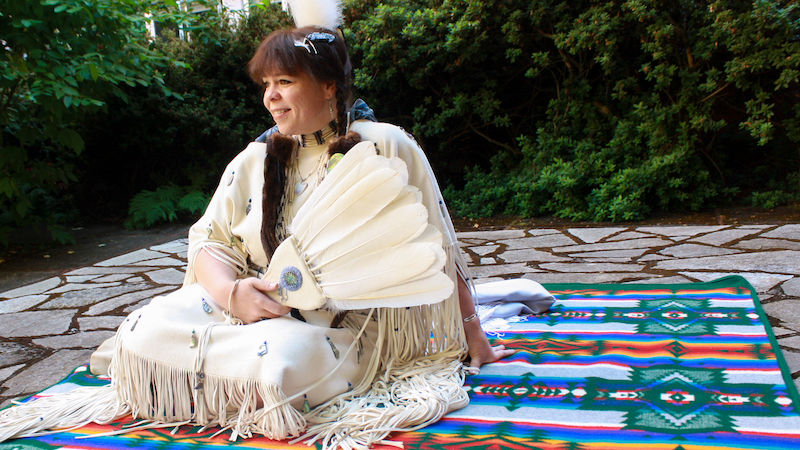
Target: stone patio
(49, 327)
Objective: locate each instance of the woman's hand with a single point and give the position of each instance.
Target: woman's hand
(480, 350)
(250, 302)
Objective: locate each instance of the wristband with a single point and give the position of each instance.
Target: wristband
(470, 317)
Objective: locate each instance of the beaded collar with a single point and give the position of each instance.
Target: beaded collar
(318, 137)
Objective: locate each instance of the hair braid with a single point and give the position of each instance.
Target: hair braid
(341, 114)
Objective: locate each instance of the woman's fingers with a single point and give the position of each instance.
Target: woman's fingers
(271, 308)
(267, 303)
(479, 358)
(264, 285)
(251, 302)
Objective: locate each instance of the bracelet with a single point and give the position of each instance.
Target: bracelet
(470, 317)
(230, 300)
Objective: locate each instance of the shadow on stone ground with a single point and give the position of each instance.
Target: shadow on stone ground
(32, 257)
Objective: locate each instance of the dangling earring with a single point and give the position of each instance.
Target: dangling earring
(330, 106)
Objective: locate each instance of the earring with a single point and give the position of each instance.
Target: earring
(330, 106)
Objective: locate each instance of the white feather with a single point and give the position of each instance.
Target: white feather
(317, 13)
(339, 181)
(431, 234)
(352, 209)
(422, 292)
(441, 257)
(357, 155)
(395, 225)
(376, 271)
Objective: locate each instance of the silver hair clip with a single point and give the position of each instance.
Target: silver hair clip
(308, 41)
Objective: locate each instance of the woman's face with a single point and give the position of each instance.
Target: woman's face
(298, 104)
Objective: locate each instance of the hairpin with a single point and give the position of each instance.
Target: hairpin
(308, 40)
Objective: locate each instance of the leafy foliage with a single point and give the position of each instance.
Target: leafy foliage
(591, 110)
(62, 60)
(771, 199)
(185, 142)
(148, 208)
(587, 109)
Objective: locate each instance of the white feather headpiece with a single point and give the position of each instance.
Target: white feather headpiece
(316, 13)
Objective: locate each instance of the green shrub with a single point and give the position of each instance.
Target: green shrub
(585, 109)
(771, 199)
(153, 142)
(61, 61)
(591, 110)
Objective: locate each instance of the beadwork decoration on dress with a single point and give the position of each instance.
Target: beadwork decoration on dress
(262, 349)
(206, 307)
(230, 180)
(201, 377)
(136, 322)
(333, 347)
(193, 340)
(291, 278)
(249, 207)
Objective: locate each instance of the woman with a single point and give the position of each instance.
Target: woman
(306, 92)
(305, 76)
(357, 376)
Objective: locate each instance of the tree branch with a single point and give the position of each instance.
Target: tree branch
(715, 92)
(505, 146)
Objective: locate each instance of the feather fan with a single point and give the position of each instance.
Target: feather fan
(316, 13)
(361, 240)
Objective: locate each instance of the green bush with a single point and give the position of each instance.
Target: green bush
(61, 61)
(586, 109)
(583, 109)
(771, 199)
(153, 143)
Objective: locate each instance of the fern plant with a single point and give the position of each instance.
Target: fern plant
(148, 208)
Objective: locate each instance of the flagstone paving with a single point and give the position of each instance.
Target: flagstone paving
(51, 326)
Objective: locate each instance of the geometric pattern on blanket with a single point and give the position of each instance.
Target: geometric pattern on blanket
(672, 367)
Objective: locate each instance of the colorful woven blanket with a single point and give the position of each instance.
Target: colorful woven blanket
(675, 367)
